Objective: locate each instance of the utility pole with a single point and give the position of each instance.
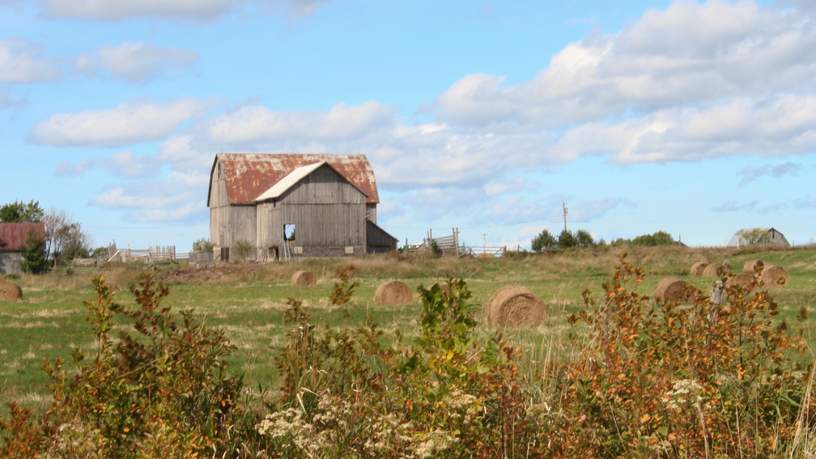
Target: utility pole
(566, 212)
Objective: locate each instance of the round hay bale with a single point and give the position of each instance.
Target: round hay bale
(743, 280)
(672, 289)
(393, 293)
(751, 266)
(515, 306)
(9, 291)
(774, 276)
(303, 278)
(697, 268)
(711, 270)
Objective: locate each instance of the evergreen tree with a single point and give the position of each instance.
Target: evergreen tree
(566, 240)
(544, 241)
(34, 256)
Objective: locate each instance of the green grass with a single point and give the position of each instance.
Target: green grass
(248, 305)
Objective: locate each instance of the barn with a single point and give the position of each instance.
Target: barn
(294, 205)
(12, 242)
(758, 236)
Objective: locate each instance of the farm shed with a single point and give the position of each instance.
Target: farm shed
(758, 236)
(306, 204)
(12, 241)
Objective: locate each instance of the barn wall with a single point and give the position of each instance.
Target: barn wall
(378, 240)
(10, 262)
(371, 212)
(329, 214)
(229, 224)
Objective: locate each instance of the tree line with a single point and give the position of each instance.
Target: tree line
(547, 241)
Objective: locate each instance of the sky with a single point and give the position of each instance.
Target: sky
(696, 118)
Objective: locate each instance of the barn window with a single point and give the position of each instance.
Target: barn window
(289, 232)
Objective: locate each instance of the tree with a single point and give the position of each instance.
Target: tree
(64, 238)
(35, 260)
(18, 212)
(566, 240)
(584, 239)
(754, 236)
(544, 241)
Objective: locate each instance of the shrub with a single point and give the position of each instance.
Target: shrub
(203, 246)
(664, 380)
(160, 390)
(344, 288)
(243, 250)
(544, 241)
(448, 394)
(35, 260)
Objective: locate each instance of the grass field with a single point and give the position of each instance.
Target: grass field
(247, 302)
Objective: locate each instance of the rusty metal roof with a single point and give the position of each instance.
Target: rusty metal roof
(250, 174)
(13, 235)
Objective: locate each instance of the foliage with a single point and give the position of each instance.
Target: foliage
(64, 238)
(680, 381)
(203, 246)
(544, 241)
(566, 240)
(659, 238)
(584, 239)
(34, 257)
(243, 250)
(436, 251)
(448, 394)
(160, 390)
(18, 212)
(343, 288)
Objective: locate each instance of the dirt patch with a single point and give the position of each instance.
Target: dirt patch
(9, 291)
(674, 290)
(515, 306)
(393, 293)
(303, 279)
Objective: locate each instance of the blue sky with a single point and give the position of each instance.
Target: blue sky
(697, 118)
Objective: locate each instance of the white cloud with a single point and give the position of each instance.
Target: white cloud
(115, 10)
(689, 53)
(125, 124)
(20, 62)
(257, 123)
(122, 164)
(750, 174)
(135, 61)
(153, 202)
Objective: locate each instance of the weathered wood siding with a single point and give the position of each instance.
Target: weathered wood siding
(371, 212)
(328, 212)
(378, 240)
(229, 224)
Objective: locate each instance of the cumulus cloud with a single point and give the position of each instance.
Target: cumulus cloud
(115, 10)
(125, 124)
(21, 62)
(257, 123)
(518, 210)
(688, 53)
(153, 202)
(135, 61)
(121, 164)
(750, 174)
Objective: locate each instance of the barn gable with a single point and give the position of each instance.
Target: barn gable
(247, 176)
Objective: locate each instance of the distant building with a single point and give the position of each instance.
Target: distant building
(758, 236)
(13, 238)
(296, 204)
